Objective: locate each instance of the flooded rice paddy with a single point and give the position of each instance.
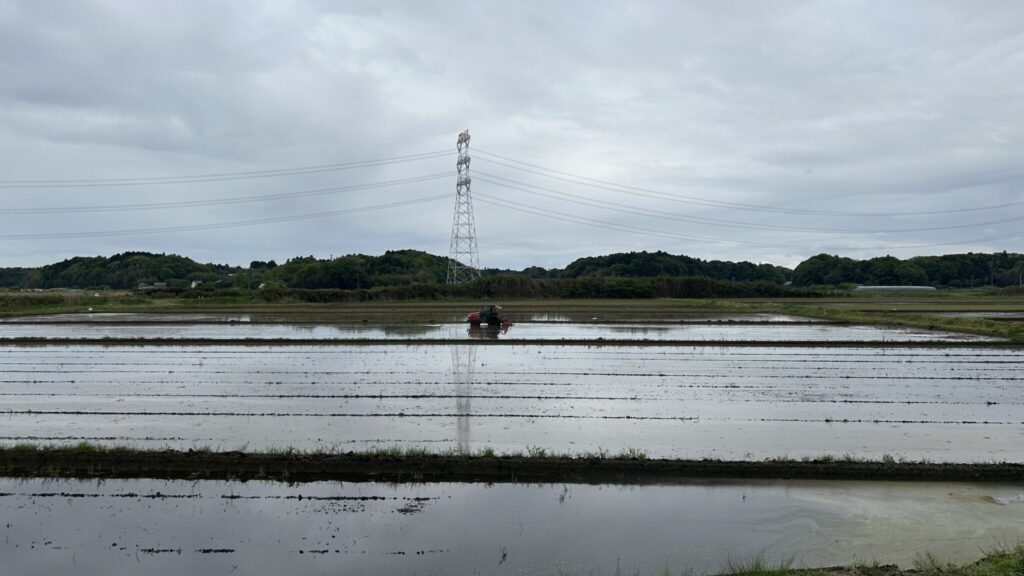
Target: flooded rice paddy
(206, 527)
(704, 332)
(734, 402)
(938, 396)
(349, 317)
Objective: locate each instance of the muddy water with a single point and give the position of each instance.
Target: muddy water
(689, 402)
(241, 330)
(175, 527)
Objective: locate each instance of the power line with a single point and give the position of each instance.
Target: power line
(562, 216)
(649, 232)
(219, 177)
(607, 205)
(222, 225)
(623, 188)
(223, 201)
(1008, 236)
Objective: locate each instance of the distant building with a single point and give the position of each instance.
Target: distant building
(197, 283)
(153, 286)
(894, 289)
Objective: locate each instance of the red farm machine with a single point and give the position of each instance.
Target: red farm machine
(488, 316)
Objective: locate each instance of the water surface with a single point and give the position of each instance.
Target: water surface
(241, 330)
(940, 404)
(207, 527)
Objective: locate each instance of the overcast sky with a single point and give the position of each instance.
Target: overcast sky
(763, 131)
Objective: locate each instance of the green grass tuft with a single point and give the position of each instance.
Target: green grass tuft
(757, 566)
(537, 452)
(632, 454)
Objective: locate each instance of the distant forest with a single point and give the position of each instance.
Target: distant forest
(633, 274)
(950, 271)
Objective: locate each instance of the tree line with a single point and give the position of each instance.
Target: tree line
(633, 274)
(120, 271)
(521, 286)
(949, 271)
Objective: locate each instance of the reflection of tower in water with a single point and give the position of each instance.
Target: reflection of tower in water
(463, 360)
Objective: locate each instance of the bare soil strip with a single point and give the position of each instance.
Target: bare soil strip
(361, 467)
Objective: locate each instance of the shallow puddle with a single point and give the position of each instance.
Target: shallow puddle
(174, 527)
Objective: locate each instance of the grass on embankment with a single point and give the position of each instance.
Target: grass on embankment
(995, 563)
(400, 464)
(1012, 331)
(16, 303)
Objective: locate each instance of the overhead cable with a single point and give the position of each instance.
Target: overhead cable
(607, 205)
(223, 201)
(555, 215)
(1008, 236)
(219, 177)
(223, 225)
(624, 188)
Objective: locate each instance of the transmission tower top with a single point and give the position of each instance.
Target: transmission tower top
(463, 256)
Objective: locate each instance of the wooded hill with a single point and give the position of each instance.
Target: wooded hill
(654, 264)
(949, 271)
(120, 271)
(593, 274)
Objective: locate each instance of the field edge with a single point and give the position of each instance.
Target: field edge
(395, 465)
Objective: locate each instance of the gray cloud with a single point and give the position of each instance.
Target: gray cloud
(829, 106)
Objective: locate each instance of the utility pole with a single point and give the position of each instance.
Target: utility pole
(463, 255)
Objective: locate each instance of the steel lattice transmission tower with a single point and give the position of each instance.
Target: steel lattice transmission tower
(463, 255)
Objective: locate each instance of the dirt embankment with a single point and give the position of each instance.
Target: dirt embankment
(62, 463)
